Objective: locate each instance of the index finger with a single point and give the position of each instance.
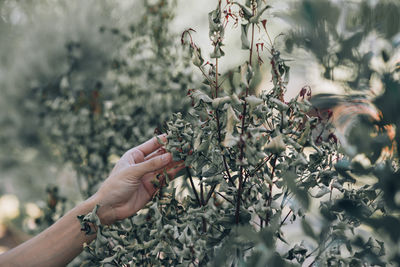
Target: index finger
(151, 145)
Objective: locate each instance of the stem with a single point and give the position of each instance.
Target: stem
(202, 194)
(216, 78)
(210, 193)
(270, 189)
(252, 42)
(240, 186)
(225, 198)
(220, 141)
(239, 194)
(192, 184)
(219, 128)
(319, 254)
(257, 168)
(287, 216)
(204, 224)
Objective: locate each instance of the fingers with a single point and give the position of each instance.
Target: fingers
(153, 164)
(138, 154)
(171, 172)
(151, 145)
(159, 151)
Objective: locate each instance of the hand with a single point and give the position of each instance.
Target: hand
(129, 187)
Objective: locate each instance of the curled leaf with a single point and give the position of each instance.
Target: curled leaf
(231, 121)
(243, 37)
(276, 145)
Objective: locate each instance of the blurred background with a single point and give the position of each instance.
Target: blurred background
(83, 81)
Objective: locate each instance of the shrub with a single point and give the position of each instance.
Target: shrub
(256, 163)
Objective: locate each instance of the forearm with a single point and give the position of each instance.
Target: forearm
(56, 246)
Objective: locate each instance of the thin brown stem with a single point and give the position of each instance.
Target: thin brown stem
(270, 189)
(193, 187)
(216, 78)
(202, 194)
(249, 174)
(252, 43)
(209, 195)
(287, 216)
(240, 185)
(230, 201)
(241, 142)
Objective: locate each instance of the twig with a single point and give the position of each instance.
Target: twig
(287, 215)
(193, 187)
(270, 189)
(230, 201)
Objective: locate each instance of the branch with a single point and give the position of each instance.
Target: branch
(193, 187)
(287, 215)
(210, 193)
(240, 186)
(230, 201)
(270, 189)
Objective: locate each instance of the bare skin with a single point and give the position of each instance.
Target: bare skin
(127, 190)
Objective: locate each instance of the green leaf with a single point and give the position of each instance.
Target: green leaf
(231, 121)
(244, 38)
(253, 101)
(246, 12)
(276, 145)
(256, 19)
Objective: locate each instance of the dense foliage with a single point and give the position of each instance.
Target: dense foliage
(256, 164)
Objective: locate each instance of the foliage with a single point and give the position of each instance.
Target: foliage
(33, 54)
(255, 165)
(91, 119)
(366, 42)
(258, 163)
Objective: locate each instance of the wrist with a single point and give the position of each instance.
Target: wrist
(104, 212)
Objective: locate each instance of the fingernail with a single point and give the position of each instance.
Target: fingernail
(166, 157)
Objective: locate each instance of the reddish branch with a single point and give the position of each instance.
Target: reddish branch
(241, 142)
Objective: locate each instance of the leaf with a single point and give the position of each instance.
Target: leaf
(255, 80)
(256, 19)
(246, 12)
(220, 101)
(301, 194)
(197, 59)
(253, 101)
(210, 171)
(244, 38)
(279, 104)
(218, 52)
(276, 145)
(231, 121)
(322, 192)
(199, 96)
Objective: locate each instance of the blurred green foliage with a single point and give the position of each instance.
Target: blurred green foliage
(363, 38)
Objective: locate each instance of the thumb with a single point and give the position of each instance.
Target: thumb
(153, 164)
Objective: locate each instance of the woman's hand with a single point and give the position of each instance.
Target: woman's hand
(124, 192)
(129, 187)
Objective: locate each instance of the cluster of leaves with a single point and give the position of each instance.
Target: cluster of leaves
(255, 165)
